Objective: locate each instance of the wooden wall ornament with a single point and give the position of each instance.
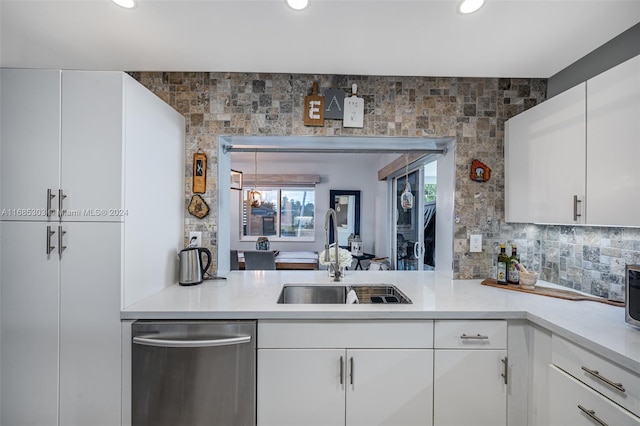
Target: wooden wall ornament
(199, 172)
(334, 104)
(480, 172)
(198, 207)
(314, 108)
(353, 109)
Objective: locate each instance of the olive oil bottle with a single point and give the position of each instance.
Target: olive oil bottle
(513, 276)
(503, 264)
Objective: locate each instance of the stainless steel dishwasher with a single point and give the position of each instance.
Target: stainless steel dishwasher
(192, 373)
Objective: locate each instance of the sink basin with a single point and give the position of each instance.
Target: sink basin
(337, 294)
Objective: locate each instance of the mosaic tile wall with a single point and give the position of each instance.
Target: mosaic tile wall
(471, 109)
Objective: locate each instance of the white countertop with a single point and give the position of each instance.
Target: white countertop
(253, 295)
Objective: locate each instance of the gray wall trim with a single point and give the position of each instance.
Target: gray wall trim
(614, 52)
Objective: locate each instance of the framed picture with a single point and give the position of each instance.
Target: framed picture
(236, 180)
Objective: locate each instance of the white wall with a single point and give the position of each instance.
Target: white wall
(343, 172)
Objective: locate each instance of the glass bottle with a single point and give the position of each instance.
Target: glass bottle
(503, 263)
(513, 276)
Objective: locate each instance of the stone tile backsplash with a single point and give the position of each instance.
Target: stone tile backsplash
(471, 109)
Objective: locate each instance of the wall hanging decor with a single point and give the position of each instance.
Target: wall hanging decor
(334, 104)
(254, 197)
(198, 207)
(199, 172)
(480, 172)
(406, 198)
(353, 109)
(314, 108)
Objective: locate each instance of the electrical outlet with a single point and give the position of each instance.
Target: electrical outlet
(475, 243)
(195, 239)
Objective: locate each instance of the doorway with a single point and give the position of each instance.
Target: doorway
(414, 221)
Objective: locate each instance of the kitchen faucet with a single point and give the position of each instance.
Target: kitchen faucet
(331, 214)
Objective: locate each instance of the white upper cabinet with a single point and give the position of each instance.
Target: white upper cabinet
(545, 160)
(30, 135)
(613, 146)
(574, 158)
(92, 145)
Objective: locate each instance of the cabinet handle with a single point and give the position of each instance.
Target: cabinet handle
(592, 414)
(505, 372)
(597, 375)
(60, 235)
(351, 369)
(49, 235)
(168, 342)
(342, 370)
(576, 215)
(61, 198)
(476, 337)
(50, 196)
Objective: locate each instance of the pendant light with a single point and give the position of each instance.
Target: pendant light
(254, 196)
(406, 199)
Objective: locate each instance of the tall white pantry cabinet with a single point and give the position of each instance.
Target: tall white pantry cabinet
(91, 202)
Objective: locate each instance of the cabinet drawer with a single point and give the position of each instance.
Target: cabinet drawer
(573, 403)
(611, 380)
(472, 334)
(345, 334)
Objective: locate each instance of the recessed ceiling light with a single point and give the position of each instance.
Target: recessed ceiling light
(298, 4)
(469, 6)
(127, 4)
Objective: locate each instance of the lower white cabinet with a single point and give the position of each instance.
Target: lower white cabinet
(345, 373)
(30, 300)
(60, 324)
(300, 387)
(620, 385)
(470, 373)
(573, 403)
(344, 386)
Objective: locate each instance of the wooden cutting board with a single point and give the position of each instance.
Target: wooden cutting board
(552, 292)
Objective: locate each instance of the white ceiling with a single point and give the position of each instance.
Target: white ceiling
(515, 38)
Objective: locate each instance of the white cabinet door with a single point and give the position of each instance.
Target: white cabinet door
(613, 147)
(29, 325)
(92, 145)
(29, 153)
(469, 388)
(389, 387)
(90, 344)
(545, 160)
(301, 387)
(573, 403)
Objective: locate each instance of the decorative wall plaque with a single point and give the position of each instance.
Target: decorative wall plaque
(353, 109)
(199, 172)
(198, 207)
(334, 104)
(480, 172)
(314, 108)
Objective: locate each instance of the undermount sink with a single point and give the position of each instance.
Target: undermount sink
(337, 294)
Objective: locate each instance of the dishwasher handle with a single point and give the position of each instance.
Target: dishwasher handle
(177, 343)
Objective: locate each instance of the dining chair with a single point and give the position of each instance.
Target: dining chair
(259, 260)
(234, 261)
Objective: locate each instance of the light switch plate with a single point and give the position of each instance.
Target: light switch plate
(475, 243)
(195, 239)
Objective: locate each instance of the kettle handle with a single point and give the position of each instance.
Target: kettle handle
(208, 253)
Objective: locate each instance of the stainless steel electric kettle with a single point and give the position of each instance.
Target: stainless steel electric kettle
(191, 269)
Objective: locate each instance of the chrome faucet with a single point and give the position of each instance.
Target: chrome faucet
(331, 214)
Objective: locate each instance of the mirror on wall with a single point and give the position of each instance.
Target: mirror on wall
(347, 207)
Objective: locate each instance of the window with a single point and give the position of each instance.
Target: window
(287, 213)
